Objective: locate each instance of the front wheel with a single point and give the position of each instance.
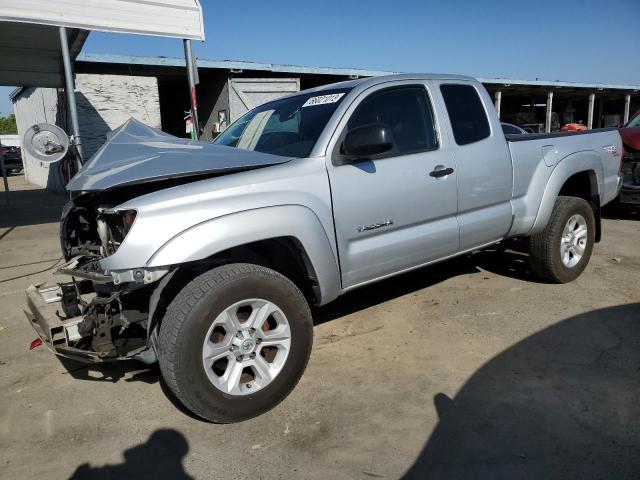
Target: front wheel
(561, 252)
(235, 341)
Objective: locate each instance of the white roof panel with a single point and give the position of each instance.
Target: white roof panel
(167, 18)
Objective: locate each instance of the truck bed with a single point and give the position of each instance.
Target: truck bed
(535, 156)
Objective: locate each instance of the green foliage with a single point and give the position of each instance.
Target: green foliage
(8, 124)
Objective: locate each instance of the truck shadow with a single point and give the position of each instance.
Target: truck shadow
(563, 403)
(112, 372)
(509, 260)
(391, 288)
(128, 371)
(160, 457)
(620, 211)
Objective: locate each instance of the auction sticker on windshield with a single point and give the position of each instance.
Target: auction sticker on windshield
(323, 99)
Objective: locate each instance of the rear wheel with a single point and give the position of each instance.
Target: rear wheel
(561, 252)
(235, 341)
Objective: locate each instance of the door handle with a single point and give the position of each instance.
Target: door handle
(441, 171)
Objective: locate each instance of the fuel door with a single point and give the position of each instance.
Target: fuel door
(550, 155)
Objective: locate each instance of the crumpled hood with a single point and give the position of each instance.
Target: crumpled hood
(135, 153)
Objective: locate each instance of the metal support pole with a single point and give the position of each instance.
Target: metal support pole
(70, 90)
(592, 101)
(627, 107)
(547, 118)
(192, 86)
(498, 101)
(599, 123)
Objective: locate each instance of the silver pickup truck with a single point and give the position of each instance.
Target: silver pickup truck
(207, 257)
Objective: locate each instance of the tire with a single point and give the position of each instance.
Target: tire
(545, 248)
(187, 326)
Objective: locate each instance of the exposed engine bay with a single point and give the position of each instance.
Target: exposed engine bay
(101, 316)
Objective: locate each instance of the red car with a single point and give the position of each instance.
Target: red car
(630, 134)
(573, 127)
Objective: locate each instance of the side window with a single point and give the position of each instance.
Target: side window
(466, 113)
(406, 111)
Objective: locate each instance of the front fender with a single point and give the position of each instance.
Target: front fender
(218, 234)
(575, 163)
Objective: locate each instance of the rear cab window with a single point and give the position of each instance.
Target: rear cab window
(510, 129)
(466, 112)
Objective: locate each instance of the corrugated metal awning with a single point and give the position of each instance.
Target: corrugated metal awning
(166, 18)
(30, 53)
(97, 58)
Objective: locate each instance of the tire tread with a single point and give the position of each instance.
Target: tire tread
(169, 338)
(542, 246)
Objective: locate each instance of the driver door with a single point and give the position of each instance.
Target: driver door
(394, 211)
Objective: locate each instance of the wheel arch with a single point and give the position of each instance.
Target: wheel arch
(285, 255)
(584, 185)
(288, 239)
(578, 175)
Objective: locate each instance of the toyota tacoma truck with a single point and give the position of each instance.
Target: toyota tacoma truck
(207, 257)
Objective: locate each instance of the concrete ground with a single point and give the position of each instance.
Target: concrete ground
(469, 369)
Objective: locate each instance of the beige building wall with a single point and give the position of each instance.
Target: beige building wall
(107, 101)
(104, 103)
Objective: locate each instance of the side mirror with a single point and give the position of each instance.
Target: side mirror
(368, 140)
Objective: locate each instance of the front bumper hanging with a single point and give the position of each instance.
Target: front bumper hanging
(57, 332)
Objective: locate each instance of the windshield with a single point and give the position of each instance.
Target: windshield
(289, 127)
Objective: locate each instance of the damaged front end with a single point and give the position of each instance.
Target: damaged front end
(105, 310)
(98, 315)
(89, 324)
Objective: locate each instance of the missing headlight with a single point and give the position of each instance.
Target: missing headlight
(113, 227)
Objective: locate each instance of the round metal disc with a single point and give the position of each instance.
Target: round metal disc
(46, 142)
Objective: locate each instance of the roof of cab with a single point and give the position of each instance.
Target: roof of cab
(364, 83)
